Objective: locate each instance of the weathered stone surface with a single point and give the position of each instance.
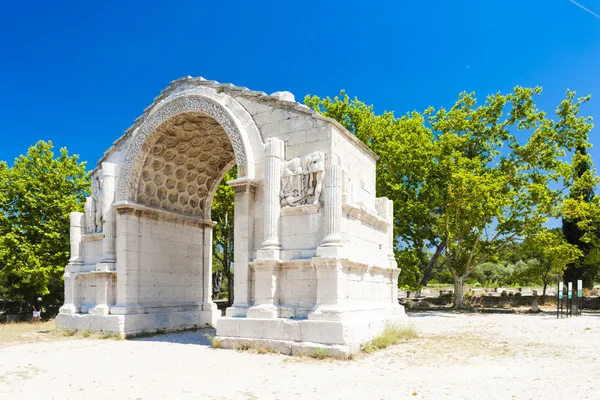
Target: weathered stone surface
(314, 265)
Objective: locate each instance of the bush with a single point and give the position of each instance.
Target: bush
(518, 294)
(391, 335)
(504, 293)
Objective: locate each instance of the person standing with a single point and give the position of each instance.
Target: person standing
(37, 309)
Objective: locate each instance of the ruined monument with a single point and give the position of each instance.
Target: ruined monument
(314, 263)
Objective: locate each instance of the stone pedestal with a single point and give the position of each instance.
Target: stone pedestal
(104, 292)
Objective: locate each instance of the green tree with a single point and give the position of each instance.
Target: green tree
(222, 214)
(37, 194)
(552, 253)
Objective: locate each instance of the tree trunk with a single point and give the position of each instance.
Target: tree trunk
(428, 274)
(458, 292)
(230, 290)
(544, 291)
(217, 279)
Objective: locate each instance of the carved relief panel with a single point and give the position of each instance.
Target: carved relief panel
(302, 180)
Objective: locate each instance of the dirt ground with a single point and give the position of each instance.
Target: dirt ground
(457, 356)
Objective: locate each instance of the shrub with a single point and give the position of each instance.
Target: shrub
(504, 293)
(214, 342)
(320, 353)
(391, 335)
(518, 294)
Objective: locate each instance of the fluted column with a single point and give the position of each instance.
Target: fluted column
(109, 178)
(274, 153)
(333, 207)
(77, 223)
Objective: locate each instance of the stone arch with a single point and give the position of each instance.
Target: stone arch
(146, 137)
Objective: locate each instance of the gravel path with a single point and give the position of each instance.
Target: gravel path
(458, 356)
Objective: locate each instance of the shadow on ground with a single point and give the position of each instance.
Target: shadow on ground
(197, 337)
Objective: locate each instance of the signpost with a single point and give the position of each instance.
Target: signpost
(579, 296)
(559, 303)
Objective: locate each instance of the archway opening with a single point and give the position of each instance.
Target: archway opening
(188, 156)
(222, 214)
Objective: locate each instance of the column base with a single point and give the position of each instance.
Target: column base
(268, 254)
(68, 309)
(106, 266)
(331, 252)
(236, 311)
(266, 311)
(100, 309)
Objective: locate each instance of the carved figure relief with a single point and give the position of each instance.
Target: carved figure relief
(93, 210)
(184, 163)
(302, 180)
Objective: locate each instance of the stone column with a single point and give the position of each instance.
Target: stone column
(109, 178)
(128, 263)
(69, 306)
(209, 310)
(243, 235)
(332, 212)
(274, 154)
(104, 293)
(77, 223)
(76, 230)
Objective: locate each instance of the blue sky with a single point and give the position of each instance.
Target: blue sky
(79, 72)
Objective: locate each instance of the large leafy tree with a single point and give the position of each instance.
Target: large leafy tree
(36, 196)
(464, 182)
(222, 214)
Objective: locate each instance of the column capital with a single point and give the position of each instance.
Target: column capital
(241, 185)
(274, 147)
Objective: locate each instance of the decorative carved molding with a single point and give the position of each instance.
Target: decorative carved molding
(130, 208)
(302, 210)
(139, 147)
(362, 214)
(302, 180)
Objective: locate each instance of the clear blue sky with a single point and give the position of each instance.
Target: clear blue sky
(79, 72)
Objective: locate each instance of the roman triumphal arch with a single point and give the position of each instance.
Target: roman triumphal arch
(314, 264)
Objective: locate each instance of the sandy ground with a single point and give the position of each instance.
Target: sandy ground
(458, 356)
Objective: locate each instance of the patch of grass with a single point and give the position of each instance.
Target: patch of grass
(242, 347)
(320, 353)
(214, 342)
(68, 332)
(391, 335)
(87, 333)
(109, 335)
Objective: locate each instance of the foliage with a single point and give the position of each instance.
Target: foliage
(37, 194)
(222, 214)
(552, 253)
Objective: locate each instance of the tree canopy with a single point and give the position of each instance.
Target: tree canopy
(37, 194)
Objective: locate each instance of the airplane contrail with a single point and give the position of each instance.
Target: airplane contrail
(585, 9)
